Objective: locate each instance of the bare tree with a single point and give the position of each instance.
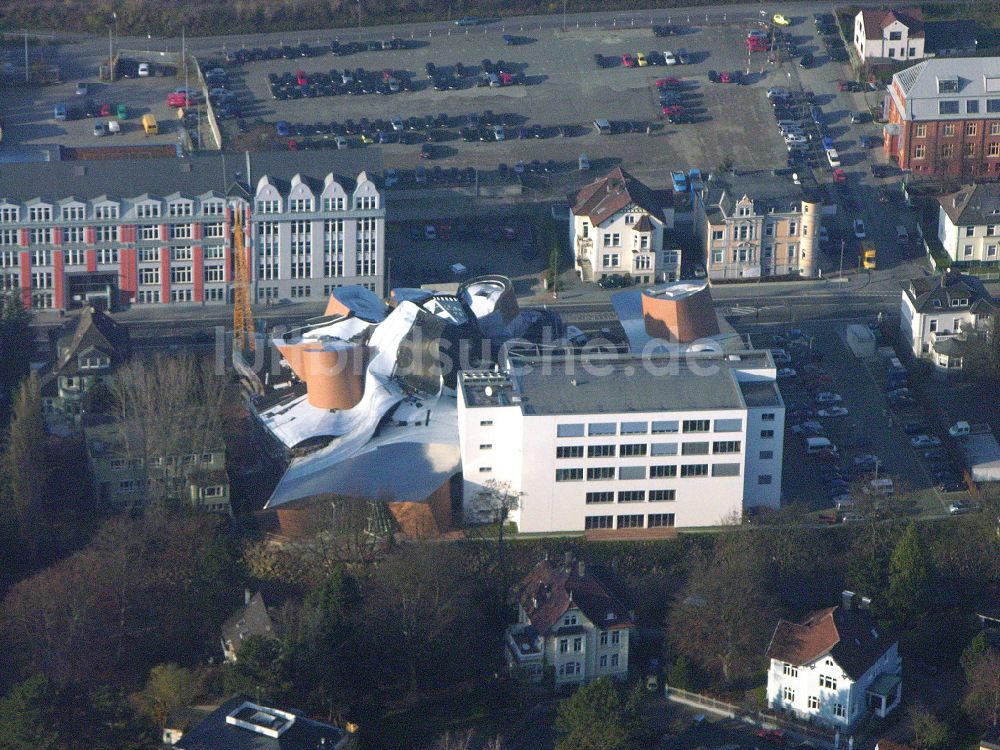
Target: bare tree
(27, 465)
(726, 612)
(167, 410)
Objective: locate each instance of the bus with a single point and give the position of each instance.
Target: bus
(868, 255)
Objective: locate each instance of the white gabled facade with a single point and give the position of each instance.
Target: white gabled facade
(611, 232)
(881, 33)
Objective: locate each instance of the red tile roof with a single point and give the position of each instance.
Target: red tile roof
(549, 590)
(876, 19)
(850, 636)
(603, 198)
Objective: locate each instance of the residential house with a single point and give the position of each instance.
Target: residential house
(943, 118)
(754, 224)
(618, 227)
(122, 480)
(570, 620)
(252, 618)
(242, 724)
(893, 34)
(835, 666)
(86, 356)
(969, 227)
(940, 315)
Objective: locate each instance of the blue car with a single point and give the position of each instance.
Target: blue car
(680, 181)
(283, 129)
(827, 144)
(508, 40)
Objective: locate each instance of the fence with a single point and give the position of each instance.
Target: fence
(817, 735)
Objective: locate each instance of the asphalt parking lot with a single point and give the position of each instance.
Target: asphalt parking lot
(872, 426)
(563, 86)
(28, 113)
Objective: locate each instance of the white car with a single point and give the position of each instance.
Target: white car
(810, 427)
(143, 70)
(498, 132)
(99, 129)
(669, 58)
(957, 507)
(925, 441)
(791, 138)
(859, 229)
(397, 123)
(787, 372)
(833, 411)
(828, 397)
(777, 93)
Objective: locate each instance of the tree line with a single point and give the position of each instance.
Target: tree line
(204, 18)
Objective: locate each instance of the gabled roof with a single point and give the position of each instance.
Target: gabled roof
(876, 19)
(94, 330)
(976, 205)
(925, 291)
(849, 636)
(605, 197)
(549, 590)
(250, 619)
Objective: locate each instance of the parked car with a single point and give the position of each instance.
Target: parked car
(925, 441)
(144, 70)
(859, 229)
(780, 20)
(628, 61)
(828, 397)
(833, 411)
(669, 58)
(100, 129)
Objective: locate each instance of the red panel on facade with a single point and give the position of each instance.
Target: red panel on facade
(128, 279)
(90, 235)
(91, 258)
(198, 273)
(58, 278)
(164, 274)
(197, 230)
(57, 236)
(25, 276)
(24, 238)
(164, 232)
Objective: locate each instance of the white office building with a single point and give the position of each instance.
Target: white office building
(622, 441)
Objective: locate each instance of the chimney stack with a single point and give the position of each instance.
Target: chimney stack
(865, 603)
(246, 596)
(847, 599)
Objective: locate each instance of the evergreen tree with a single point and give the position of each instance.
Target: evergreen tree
(599, 716)
(909, 578)
(16, 342)
(27, 467)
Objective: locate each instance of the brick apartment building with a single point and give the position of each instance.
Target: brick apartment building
(111, 233)
(943, 118)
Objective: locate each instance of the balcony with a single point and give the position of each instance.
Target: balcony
(584, 244)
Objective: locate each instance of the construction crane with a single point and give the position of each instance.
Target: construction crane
(243, 330)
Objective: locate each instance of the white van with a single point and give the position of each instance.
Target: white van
(833, 157)
(816, 445)
(902, 236)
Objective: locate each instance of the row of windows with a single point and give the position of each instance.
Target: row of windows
(643, 428)
(632, 496)
(633, 450)
(77, 212)
(947, 150)
(630, 521)
(839, 710)
(952, 107)
(305, 205)
(607, 473)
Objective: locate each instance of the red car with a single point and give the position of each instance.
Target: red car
(387, 74)
(757, 44)
(293, 145)
(105, 110)
(506, 79)
(667, 83)
(839, 175)
(628, 61)
(300, 77)
(179, 99)
(672, 110)
(725, 77)
(772, 735)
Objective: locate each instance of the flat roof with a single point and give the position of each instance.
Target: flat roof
(613, 384)
(760, 393)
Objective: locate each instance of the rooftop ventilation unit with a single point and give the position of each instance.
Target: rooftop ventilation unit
(270, 722)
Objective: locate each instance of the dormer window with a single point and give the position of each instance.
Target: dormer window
(40, 213)
(569, 620)
(147, 210)
(300, 205)
(630, 218)
(947, 85)
(937, 304)
(743, 210)
(180, 208)
(93, 361)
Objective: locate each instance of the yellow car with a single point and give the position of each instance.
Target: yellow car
(780, 20)
(640, 59)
